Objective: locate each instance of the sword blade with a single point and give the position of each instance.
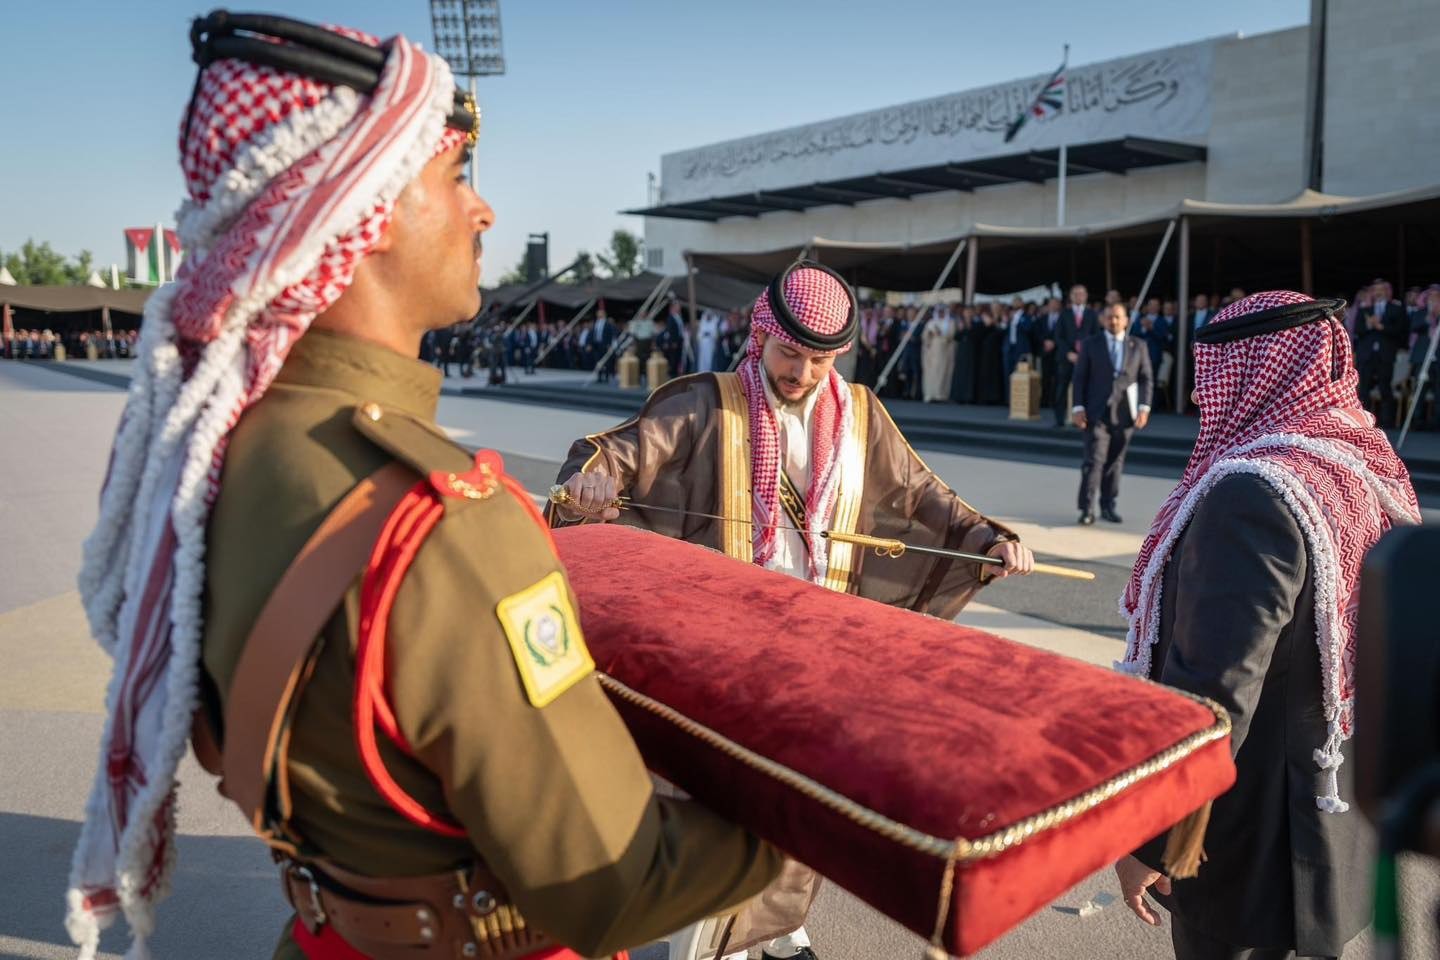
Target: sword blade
(908, 547)
(883, 547)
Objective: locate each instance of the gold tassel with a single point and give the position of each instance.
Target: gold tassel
(1185, 848)
(933, 952)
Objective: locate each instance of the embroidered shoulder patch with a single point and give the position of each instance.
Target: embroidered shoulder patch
(545, 638)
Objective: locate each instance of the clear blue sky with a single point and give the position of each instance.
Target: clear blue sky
(91, 92)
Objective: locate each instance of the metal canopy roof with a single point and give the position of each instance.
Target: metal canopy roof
(1034, 166)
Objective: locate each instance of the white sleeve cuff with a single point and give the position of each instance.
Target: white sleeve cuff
(1144, 408)
(1077, 409)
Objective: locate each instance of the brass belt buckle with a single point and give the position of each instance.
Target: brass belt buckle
(304, 873)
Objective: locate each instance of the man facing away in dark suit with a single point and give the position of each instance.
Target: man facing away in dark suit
(1113, 386)
(1255, 550)
(1077, 324)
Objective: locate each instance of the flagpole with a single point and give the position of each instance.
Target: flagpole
(1064, 153)
(1049, 96)
(1060, 199)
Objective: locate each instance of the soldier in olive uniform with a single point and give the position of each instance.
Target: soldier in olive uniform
(499, 731)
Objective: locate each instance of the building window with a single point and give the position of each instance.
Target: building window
(655, 258)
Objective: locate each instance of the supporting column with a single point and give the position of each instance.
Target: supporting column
(690, 277)
(925, 312)
(1400, 264)
(1182, 321)
(1060, 187)
(1214, 288)
(972, 257)
(1155, 264)
(1307, 269)
(1110, 270)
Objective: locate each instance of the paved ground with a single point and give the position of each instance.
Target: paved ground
(55, 432)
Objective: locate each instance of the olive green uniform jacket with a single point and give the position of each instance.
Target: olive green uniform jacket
(554, 800)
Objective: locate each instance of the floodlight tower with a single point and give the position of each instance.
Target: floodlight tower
(467, 35)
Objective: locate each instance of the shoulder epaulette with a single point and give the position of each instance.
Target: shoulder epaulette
(410, 440)
(454, 472)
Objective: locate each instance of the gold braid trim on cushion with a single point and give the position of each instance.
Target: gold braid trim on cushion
(960, 849)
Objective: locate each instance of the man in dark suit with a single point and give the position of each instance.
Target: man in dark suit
(1425, 325)
(529, 345)
(1113, 385)
(1077, 323)
(1380, 332)
(1153, 327)
(1019, 337)
(602, 338)
(672, 339)
(1045, 346)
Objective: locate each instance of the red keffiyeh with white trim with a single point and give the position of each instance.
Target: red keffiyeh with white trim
(1283, 406)
(291, 183)
(822, 303)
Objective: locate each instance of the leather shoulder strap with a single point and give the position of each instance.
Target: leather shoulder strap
(277, 652)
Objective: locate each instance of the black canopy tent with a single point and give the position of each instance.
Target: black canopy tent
(624, 295)
(1311, 241)
(1316, 243)
(72, 309)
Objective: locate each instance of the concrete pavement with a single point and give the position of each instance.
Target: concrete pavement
(55, 432)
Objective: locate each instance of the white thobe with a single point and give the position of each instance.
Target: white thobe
(795, 422)
(711, 326)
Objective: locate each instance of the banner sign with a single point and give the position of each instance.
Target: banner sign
(1163, 95)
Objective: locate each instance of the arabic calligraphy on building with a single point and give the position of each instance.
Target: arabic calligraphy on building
(1151, 84)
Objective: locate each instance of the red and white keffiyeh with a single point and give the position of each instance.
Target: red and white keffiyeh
(821, 302)
(290, 184)
(1271, 405)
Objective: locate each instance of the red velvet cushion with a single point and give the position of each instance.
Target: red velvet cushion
(951, 732)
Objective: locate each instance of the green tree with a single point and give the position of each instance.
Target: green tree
(41, 265)
(79, 271)
(516, 274)
(623, 257)
(584, 271)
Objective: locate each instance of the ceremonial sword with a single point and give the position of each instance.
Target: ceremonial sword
(883, 546)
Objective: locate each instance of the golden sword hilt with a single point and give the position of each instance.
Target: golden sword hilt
(561, 496)
(883, 547)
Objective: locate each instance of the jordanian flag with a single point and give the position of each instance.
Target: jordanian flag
(1047, 102)
(146, 255)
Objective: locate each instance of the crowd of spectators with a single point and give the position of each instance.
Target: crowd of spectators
(24, 344)
(967, 353)
(595, 341)
(963, 353)
(957, 353)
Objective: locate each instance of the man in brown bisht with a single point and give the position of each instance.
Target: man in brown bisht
(409, 720)
(763, 462)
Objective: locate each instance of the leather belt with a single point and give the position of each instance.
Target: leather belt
(460, 914)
